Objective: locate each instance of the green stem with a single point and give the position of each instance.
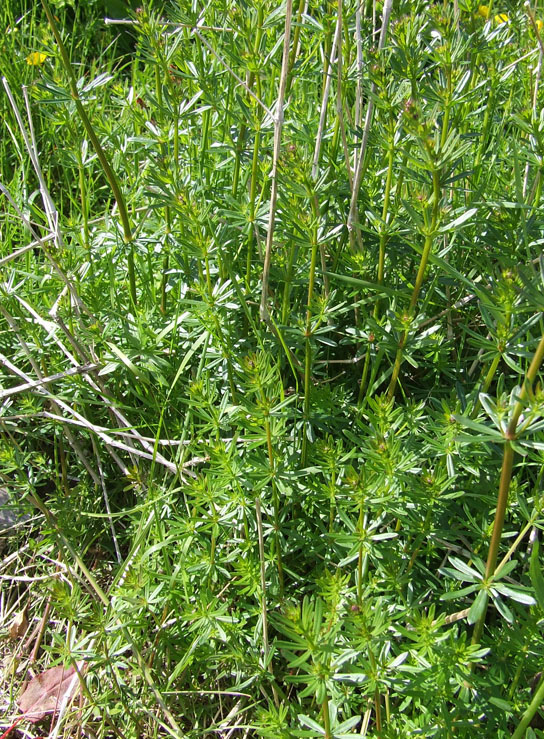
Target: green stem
(527, 717)
(429, 238)
(527, 387)
(506, 476)
(326, 718)
(204, 164)
(250, 80)
(108, 171)
(264, 609)
(296, 36)
(253, 195)
(287, 285)
(384, 238)
(385, 212)
(485, 130)
(377, 697)
(490, 374)
(166, 259)
(84, 208)
(332, 503)
(225, 344)
(361, 560)
(275, 500)
(308, 335)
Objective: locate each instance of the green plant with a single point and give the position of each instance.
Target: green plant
(271, 350)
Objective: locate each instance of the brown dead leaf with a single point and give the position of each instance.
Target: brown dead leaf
(19, 625)
(45, 692)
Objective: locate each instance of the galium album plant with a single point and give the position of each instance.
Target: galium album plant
(271, 345)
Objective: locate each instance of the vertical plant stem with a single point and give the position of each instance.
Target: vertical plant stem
(353, 218)
(538, 699)
(278, 124)
(287, 284)
(326, 718)
(102, 158)
(294, 49)
(327, 78)
(275, 501)
(506, 476)
(377, 696)
(359, 89)
(339, 104)
(84, 207)
(264, 609)
(384, 237)
(362, 559)
(429, 238)
(307, 338)
(251, 77)
(253, 195)
(166, 258)
(385, 216)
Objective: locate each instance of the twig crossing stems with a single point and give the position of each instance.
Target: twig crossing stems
(51, 378)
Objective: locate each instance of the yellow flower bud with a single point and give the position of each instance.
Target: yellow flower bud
(36, 59)
(483, 11)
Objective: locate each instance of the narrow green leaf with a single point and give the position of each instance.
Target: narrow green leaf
(481, 428)
(311, 724)
(477, 609)
(503, 609)
(459, 220)
(515, 594)
(470, 572)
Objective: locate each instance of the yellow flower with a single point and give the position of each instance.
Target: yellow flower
(36, 59)
(501, 18)
(483, 11)
(539, 25)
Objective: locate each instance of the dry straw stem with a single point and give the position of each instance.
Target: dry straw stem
(96, 384)
(37, 369)
(103, 435)
(76, 300)
(170, 24)
(82, 369)
(106, 500)
(325, 100)
(359, 89)
(30, 145)
(339, 106)
(278, 123)
(353, 217)
(23, 250)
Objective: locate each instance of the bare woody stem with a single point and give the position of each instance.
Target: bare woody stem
(353, 226)
(275, 157)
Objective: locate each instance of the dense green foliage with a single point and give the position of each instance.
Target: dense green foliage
(271, 328)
